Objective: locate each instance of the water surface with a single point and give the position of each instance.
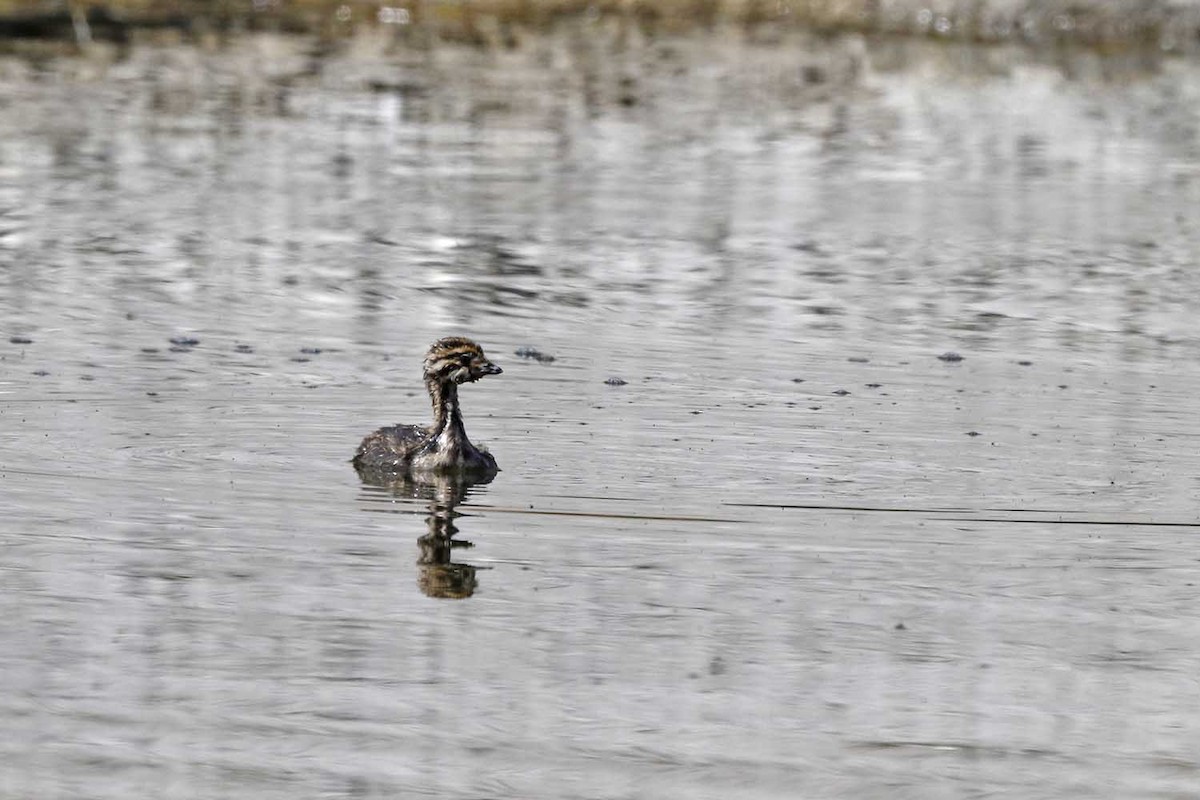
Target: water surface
(797, 554)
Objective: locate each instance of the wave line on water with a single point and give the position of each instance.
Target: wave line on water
(942, 512)
(1112, 522)
(831, 507)
(591, 514)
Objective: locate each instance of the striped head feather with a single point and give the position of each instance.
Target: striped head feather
(457, 359)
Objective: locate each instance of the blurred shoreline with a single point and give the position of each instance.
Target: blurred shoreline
(1167, 27)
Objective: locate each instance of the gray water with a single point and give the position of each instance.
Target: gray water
(795, 555)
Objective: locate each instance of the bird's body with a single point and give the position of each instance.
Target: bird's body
(442, 447)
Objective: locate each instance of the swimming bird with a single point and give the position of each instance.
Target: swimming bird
(443, 447)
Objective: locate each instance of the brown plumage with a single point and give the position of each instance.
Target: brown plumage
(443, 447)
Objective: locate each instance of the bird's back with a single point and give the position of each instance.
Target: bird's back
(390, 447)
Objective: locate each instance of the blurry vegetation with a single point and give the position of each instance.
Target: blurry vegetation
(1170, 26)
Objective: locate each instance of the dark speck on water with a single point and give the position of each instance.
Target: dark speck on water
(950, 357)
(243, 348)
(184, 341)
(615, 381)
(974, 433)
(841, 392)
(20, 340)
(534, 354)
(311, 351)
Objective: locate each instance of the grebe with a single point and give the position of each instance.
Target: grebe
(443, 447)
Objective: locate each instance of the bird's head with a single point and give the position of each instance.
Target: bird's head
(457, 360)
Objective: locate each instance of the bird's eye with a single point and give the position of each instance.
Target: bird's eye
(465, 359)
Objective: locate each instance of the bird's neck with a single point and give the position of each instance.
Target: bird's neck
(447, 419)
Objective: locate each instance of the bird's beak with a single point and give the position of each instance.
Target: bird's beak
(490, 369)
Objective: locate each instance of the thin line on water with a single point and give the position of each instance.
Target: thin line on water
(591, 514)
(1116, 522)
(62, 475)
(824, 507)
(943, 511)
(598, 497)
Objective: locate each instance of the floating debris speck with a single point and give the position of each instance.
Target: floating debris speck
(534, 354)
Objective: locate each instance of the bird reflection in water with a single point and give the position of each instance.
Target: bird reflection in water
(438, 574)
